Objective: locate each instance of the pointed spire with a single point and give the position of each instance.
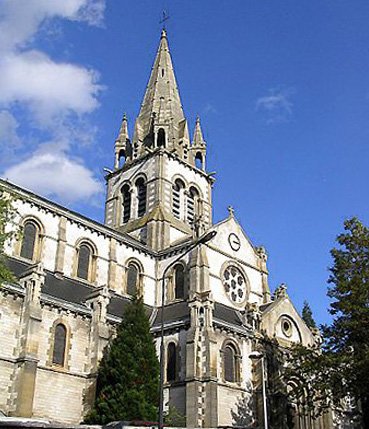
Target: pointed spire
(123, 132)
(198, 139)
(161, 106)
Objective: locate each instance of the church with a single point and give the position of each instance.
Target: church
(76, 275)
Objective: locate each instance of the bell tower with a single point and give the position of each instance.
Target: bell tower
(159, 191)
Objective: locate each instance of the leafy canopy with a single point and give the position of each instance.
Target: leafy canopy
(307, 316)
(341, 369)
(128, 376)
(7, 214)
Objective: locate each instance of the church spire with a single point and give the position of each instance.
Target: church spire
(161, 116)
(122, 142)
(198, 147)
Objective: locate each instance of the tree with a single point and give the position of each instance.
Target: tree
(7, 214)
(340, 370)
(307, 316)
(128, 377)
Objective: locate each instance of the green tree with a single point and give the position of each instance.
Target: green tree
(128, 376)
(341, 368)
(307, 315)
(7, 214)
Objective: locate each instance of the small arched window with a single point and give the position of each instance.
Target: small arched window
(161, 138)
(126, 196)
(141, 190)
(121, 158)
(230, 364)
(192, 205)
(132, 279)
(29, 240)
(179, 282)
(84, 261)
(199, 161)
(178, 197)
(60, 342)
(171, 362)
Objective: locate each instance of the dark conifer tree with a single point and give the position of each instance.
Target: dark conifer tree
(307, 316)
(128, 376)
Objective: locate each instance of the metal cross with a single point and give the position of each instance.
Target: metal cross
(164, 18)
(231, 211)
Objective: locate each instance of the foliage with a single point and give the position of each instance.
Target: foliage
(341, 369)
(307, 316)
(128, 376)
(7, 214)
(174, 418)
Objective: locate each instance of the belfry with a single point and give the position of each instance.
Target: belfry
(75, 277)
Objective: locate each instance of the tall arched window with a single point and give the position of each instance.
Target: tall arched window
(161, 137)
(126, 196)
(29, 240)
(192, 205)
(84, 261)
(132, 279)
(230, 364)
(177, 198)
(60, 342)
(141, 191)
(179, 282)
(171, 362)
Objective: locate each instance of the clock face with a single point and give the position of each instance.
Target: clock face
(234, 241)
(234, 284)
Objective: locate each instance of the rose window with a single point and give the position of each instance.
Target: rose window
(234, 284)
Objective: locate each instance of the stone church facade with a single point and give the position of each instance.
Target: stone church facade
(76, 276)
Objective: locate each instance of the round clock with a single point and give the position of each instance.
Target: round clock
(234, 241)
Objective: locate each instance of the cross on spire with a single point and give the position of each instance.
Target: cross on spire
(164, 18)
(231, 211)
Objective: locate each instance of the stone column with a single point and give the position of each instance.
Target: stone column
(27, 362)
(62, 241)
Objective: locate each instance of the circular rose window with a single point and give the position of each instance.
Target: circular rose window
(234, 284)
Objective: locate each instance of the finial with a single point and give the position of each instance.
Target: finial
(231, 211)
(164, 18)
(197, 119)
(124, 116)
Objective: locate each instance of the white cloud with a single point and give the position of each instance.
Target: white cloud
(48, 88)
(9, 138)
(55, 175)
(55, 99)
(277, 105)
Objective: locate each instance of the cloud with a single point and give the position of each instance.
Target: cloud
(48, 88)
(55, 175)
(50, 98)
(8, 131)
(277, 105)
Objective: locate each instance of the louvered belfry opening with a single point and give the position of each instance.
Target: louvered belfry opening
(171, 362)
(177, 197)
(29, 240)
(126, 195)
(141, 196)
(84, 260)
(192, 199)
(60, 340)
(132, 279)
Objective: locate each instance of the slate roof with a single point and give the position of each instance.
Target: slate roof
(226, 314)
(173, 312)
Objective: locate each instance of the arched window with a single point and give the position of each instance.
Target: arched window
(84, 261)
(60, 342)
(121, 158)
(179, 282)
(171, 362)
(230, 364)
(161, 137)
(132, 279)
(177, 198)
(192, 205)
(199, 161)
(141, 191)
(126, 196)
(29, 240)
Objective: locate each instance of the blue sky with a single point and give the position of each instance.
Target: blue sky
(282, 89)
